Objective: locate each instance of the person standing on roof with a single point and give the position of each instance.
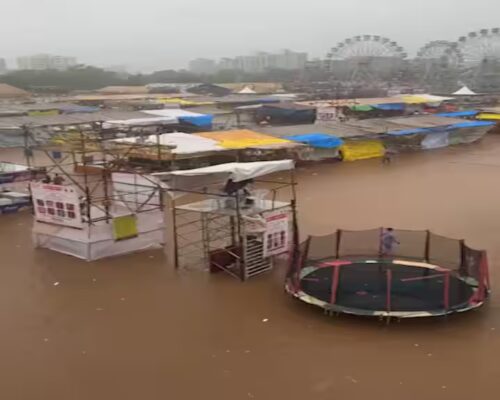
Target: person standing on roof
(388, 242)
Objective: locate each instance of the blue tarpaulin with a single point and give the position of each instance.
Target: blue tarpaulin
(320, 140)
(202, 120)
(472, 124)
(459, 114)
(435, 129)
(390, 107)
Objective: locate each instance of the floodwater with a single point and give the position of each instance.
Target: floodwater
(132, 328)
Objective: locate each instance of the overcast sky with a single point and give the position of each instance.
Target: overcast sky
(160, 34)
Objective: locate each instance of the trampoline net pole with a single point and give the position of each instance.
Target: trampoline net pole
(484, 283)
(446, 291)
(388, 274)
(335, 283)
(427, 245)
(337, 244)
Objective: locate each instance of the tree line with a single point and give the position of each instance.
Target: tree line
(91, 78)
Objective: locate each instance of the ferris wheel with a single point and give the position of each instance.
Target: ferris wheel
(364, 57)
(440, 53)
(366, 46)
(480, 46)
(481, 59)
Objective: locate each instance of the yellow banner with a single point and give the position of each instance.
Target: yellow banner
(489, 117)
(125, 227)
(362, 150)
(241, 139)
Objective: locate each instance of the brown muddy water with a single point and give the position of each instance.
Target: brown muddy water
(132, 328)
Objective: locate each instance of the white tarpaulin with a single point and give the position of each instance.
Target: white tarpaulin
(195, 178)
(135, 191)
(141, 122)
(56, 204)
(181, 143)
(172, 113)
(435, 140)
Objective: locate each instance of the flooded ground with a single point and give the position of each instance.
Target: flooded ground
(131, 328)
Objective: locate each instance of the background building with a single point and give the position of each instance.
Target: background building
(202, 66)
(45, 61)
(259, 62)
(3, 66)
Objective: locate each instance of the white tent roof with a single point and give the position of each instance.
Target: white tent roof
(182, 143)
(247, 90)
(199, 177)
(464, 91)
(172, 113)
(142, 122)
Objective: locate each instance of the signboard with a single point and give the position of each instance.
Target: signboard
(276, 234)
(325, 114)
(56, 204)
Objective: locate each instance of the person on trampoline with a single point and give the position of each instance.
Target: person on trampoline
(388, 242)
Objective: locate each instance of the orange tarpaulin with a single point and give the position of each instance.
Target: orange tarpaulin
(241, 139)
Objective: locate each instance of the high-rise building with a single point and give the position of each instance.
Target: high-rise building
(45, 61)
(262, 61)
(202, 66)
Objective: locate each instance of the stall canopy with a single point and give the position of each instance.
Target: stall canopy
(424, 98)
(459, 114)
(390, 107)
(241, 139)
(318, 140)
(196, 119)
(442, 128)
(489, 117)
(194, 179)
(180, 143)
(141, 122)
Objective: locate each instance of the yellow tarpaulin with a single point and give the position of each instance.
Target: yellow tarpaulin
(42, 113)
(125, 227)
(423, 98)
(241, 139)
(489, 117)
(362, 150)
(184, 102)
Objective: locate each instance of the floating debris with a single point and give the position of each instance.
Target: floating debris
(45, 340)
(351, 379)
(265, 320)
(56, 283)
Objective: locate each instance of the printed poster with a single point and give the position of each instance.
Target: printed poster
(56, 204)
(325, 114)
(276, 234)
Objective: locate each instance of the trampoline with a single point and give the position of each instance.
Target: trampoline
(425, 275)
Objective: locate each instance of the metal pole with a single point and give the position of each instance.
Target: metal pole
(446, 294)
(335, 283)
(389, 294)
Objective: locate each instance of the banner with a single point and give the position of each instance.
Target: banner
(125, 227)
(56, 204)
(276, 234)
(361, 150)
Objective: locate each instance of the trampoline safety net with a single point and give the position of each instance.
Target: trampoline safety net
(419, 272)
